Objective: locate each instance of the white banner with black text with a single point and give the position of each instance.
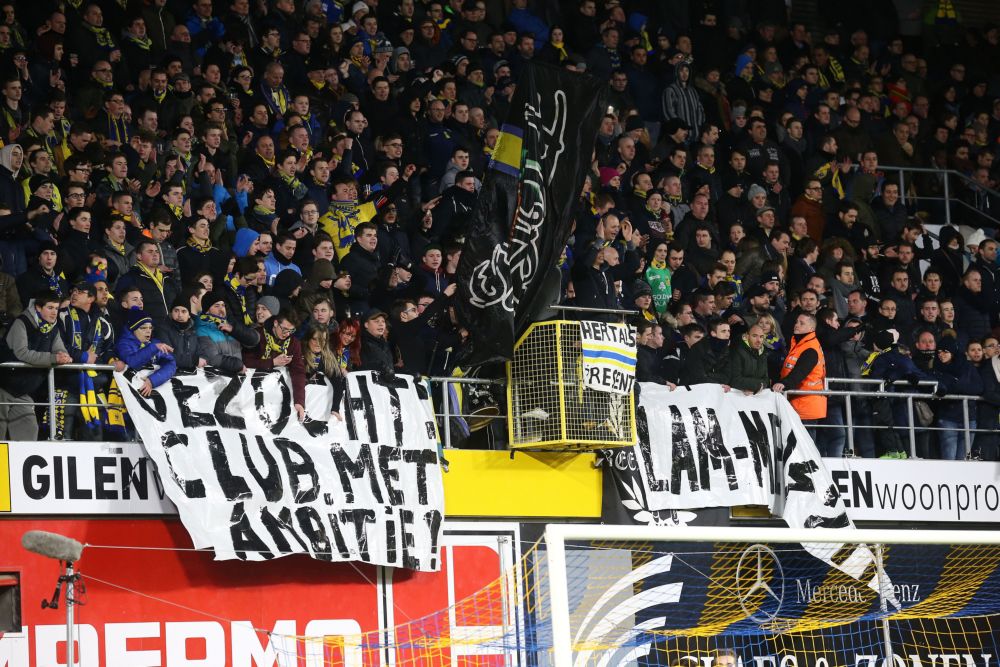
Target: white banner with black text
(705, 447)
(253, 483)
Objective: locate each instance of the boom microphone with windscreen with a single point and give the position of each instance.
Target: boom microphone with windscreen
(52, 545)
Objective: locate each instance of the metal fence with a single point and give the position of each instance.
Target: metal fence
(51, 404)
(882, 389)
(482, 412)
(948, 199)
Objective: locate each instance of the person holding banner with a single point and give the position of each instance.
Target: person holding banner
(140, 351)
(276, 349)
(322, 368)
(747, 367)
(221, 340)
(708, 358)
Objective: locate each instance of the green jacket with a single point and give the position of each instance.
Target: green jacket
(747, 369)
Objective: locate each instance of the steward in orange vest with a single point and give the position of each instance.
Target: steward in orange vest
(805, 368)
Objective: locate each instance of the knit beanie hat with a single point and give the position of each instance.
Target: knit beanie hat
(136, 318)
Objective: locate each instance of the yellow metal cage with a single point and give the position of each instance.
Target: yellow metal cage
(548, 406)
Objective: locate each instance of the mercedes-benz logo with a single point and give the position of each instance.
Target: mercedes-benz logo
(750, 580)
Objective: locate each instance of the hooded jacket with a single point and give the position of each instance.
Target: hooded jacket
(11, 191)
(680, 100)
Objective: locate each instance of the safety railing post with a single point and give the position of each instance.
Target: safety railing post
(52, 403)
(849, 419)
(910, 428)
(965, 427)
(947, 199)
(902, 187)
(446, 405)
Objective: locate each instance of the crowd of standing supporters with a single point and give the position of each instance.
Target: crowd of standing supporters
(239, 184)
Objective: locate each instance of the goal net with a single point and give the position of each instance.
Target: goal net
(706, 597)
(603, 596)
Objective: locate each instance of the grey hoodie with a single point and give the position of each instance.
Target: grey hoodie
(840, 292)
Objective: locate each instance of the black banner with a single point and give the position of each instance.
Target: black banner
(523, 215)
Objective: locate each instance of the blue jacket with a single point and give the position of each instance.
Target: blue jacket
(892, 365)
(525, 21)
(273, 267)
(204, 33)
(138, 356)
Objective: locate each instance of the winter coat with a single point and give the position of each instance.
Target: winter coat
(746, 368)
(377, 354)
(972, 313)
(958, 376)
(221, 350)
(706, 362)
(138, 356)
(184, 339)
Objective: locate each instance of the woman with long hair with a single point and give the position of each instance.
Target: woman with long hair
(347, 345)
(334, 46)
(774, 343)
(321, 364)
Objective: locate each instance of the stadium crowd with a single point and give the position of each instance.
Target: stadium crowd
(284, 183)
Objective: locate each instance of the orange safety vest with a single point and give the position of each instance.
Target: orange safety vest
(809, 406)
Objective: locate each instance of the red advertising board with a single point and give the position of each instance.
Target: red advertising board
(160, 604)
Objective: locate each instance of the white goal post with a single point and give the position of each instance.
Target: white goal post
(557, 535)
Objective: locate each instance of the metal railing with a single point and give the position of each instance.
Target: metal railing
(947, 199)
(622, 313)
(51, 404)
(446, 413)
(880, 389)
(883, 391)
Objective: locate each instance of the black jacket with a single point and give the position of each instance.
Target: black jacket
(972, 313)
(184, 340)
(648, 365)
(363, 267)
(706, 362)
(376, 354)
(415, 340)
(193, 261)
(34, 280)
(156, 303)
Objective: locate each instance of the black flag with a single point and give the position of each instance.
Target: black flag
(523, 215)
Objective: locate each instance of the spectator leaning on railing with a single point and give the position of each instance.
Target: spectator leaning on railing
(805, 368)
(141, 352)
(703, 156)
(747, 365)
(33, 338)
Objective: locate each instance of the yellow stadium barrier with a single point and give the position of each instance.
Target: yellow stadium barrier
(548, 405)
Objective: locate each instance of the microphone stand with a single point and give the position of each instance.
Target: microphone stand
(70, 579)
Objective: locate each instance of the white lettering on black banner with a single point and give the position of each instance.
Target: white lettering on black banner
(253, 483)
